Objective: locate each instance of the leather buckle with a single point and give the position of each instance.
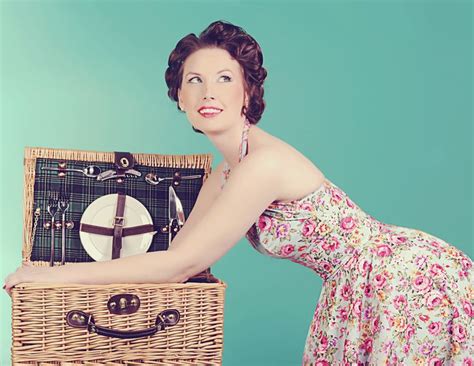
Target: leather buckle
(119, 221)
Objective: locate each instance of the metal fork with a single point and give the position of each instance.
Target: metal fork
(52, 209)
(63, 205)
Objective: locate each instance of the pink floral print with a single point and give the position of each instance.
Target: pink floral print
(391, 295)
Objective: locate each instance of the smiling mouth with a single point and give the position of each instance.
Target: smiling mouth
(209, 112)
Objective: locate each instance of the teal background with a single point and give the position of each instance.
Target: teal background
(377, 94)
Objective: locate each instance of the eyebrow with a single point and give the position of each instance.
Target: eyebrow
(195, 73)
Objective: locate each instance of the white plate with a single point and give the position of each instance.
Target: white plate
(101, 212)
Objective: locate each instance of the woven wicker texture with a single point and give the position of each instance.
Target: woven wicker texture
(42, 335)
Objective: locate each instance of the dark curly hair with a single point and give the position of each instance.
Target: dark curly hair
(240, 45)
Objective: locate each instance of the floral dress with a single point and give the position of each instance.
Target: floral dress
(391, 295)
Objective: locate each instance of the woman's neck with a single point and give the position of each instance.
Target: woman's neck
(228, 142)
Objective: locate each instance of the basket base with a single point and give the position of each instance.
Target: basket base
(170, 362)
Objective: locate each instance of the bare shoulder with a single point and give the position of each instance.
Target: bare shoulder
(265, 160)
(267, 155)
(297, 174)
(256, 174)
(292, 174)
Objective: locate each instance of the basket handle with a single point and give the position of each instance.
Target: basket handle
(80, 319)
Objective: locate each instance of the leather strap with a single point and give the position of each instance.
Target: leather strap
(118, 226)
(107, 231)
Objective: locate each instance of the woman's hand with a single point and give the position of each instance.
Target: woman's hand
(25, 273)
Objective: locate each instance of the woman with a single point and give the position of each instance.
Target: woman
(391, 295)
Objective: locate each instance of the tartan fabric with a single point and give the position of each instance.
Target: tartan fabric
(83, 191)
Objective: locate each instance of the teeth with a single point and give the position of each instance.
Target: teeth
(209, 111)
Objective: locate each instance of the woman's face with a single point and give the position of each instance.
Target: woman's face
(212, 78)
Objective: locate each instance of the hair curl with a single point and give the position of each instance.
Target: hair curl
(241, 46)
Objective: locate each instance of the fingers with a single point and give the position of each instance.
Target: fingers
(20, 275)
(8, 289)
(10, 282)
(14, 278)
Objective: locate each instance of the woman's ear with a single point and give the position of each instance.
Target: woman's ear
(180, 101)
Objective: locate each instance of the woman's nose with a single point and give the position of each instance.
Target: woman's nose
(208, 93)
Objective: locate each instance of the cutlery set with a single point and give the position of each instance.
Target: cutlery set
(59, 202)
(90, 171)
(93, 171)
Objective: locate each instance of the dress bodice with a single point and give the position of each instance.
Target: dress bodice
(323, 230)
(391, 294)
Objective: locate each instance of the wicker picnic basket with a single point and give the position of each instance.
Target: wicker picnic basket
(132, 324)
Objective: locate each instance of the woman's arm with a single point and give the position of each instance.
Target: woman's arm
(137, 269)
(153, 267)
(252, 186)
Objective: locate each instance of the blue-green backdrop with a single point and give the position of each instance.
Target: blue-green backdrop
(377, 94)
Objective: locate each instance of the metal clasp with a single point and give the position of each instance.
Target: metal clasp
(119, 221)
(124, 162)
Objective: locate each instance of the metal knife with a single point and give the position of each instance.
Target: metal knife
(172, 215)
(180, 212)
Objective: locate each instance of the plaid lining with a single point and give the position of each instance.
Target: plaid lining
(84, 190)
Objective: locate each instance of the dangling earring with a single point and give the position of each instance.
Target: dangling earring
(246, 105)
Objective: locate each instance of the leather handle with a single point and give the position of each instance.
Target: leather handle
(80, 319)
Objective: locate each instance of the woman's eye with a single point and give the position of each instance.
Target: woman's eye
(223, 76)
